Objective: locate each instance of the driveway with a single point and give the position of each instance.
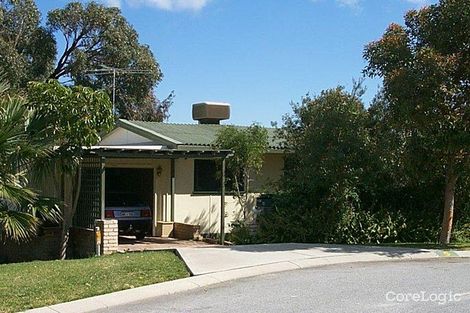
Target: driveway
(207, 260)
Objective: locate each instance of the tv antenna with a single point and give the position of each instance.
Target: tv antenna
(106, 70)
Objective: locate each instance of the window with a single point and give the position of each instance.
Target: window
(207, 177)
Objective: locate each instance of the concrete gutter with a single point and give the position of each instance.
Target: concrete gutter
(110, 300)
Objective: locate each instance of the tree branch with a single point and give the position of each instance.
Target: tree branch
(61, 69)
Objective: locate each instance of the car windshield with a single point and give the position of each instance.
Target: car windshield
(123, 199)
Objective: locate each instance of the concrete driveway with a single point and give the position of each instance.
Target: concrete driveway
(207, 260)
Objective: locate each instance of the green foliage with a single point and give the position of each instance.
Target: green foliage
(328, 175)
(461, 232)
(241, 234)
(27, 50)
(72, 117)
(249, 146)
(21, 209)
(349, 179)
(49, 129)
(325, 139)
(359, 227)
(425, 66)
(95, 37)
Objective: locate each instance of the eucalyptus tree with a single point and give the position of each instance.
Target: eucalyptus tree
(97, 36)
(27, 49)
(425, 66)
(92, 37)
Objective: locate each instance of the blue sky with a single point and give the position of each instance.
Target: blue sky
(258, 55)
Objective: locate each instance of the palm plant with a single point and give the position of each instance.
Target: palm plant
(21, 145)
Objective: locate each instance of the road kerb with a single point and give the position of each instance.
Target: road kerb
(195, 282)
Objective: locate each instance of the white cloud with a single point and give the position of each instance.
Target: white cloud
(172, 5)
(112, 3)
(351, 4)
(354, 4)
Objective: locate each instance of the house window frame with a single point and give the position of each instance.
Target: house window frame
(197, 164)
(229, 190)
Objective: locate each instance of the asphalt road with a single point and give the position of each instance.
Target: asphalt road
(441, 285)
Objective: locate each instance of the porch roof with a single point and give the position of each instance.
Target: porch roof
(156, 152)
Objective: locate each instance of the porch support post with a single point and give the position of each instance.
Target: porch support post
(222, 204)
(102, 186)
(172, 190)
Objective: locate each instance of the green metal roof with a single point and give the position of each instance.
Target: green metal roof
(187, 134)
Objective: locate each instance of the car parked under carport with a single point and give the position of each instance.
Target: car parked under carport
(129, 199)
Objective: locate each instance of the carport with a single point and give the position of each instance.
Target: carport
(133, 165)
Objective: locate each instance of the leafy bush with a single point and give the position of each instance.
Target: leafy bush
(341, 221)
(349, 179)
(241, 234)
(461, 231)
(360, 227)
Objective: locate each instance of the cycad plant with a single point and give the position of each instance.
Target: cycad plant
(21, 144)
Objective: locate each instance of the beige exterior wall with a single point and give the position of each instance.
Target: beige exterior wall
(273, 166)
(121, 136)
(197, 209)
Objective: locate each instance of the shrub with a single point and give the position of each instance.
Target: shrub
(241, 234)
(461, 231)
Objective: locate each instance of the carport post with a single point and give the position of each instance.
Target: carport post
(172, 190)
(222, 204)
(102, 186)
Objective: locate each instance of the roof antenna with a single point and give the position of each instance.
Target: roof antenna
(106, 70)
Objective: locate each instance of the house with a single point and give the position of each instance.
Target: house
(174, 167)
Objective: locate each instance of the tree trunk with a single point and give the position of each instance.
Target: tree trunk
(70, 206)
(247, 187)
(451, 181)
(66, 202)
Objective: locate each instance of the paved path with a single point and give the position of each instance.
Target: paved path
(215, 265)
(439, 285)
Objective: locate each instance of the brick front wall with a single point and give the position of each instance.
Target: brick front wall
(43, 247)
(186, 231)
